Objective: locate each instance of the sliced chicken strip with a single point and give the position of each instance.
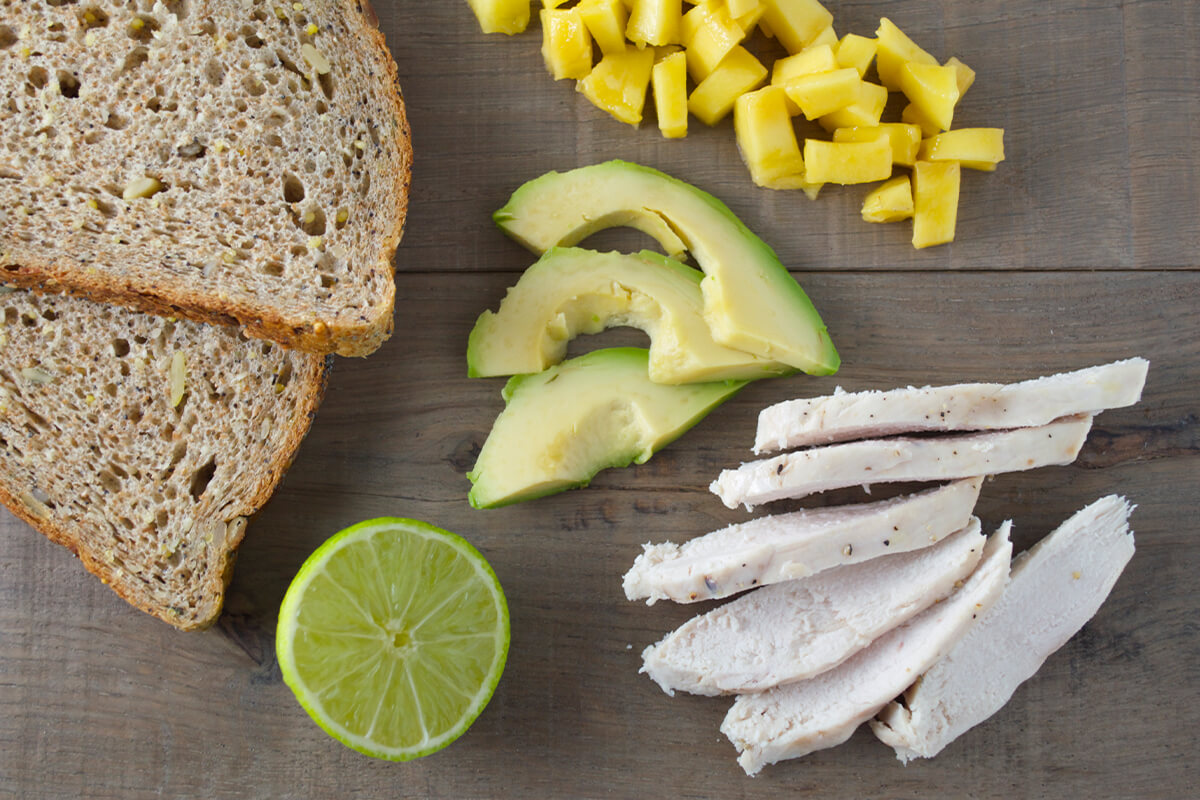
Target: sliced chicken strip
(795, 630)
(794, 720)
(845, 416)
(786, 546)
(938, 458)
(1056, 587)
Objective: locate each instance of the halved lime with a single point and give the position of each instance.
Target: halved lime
(393, 636)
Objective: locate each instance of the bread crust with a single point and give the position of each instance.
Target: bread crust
(359, 335)
(315, 377)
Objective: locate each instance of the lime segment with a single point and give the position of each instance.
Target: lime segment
(393, 636)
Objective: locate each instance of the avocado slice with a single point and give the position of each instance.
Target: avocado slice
(751, 302)
(562, 426)
(570, 291)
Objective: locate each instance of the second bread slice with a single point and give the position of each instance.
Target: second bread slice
(144, 445)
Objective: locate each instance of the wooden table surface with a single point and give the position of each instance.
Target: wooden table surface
(1082, 248)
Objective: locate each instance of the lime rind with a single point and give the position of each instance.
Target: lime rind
(470, 570)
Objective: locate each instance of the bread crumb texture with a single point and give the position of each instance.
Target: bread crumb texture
(183, 157)
(151, 483)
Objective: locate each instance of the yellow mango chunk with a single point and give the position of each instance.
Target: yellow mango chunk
(606, 20)
(855, 51)
(566, 43)
(825, 92)
(891, 202)
(739, 8)
(708, 33)
(974, 148)
(501, 16)
(895, 50)
(654, 22)
(669, 80)
(795, 23)
(932, 89)
(751, 19)
(618, 83)
(766, 138)
(914, 116)
(828, 36)
(935, 202)
(905, 139)
(863, 113)
(964, 74)
(737, 74)
(809, 61)
(847, 162)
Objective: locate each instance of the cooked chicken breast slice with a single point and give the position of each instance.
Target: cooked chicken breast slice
(937, 458)
(1056, 587)
(844, 416)
(786, 546)
(794, 720)
(795, 630)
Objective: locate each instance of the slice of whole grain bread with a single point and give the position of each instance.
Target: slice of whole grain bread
(234, 161)
(143, 444)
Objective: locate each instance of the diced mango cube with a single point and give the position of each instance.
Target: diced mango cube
(965, 75)
(737, 74)
(828, 36)
(847, 162)
(825, 92)
(891, 202)
(566, 43)
(606, 19)
(933, 90)
(914, 116)
(765, 136)
(808, 61)
(501, 16)
(553, 3)
(618, 83)
(669, 79)
(864, 112)
(654, 22)
(796, 23)
(752, 19)
(855, 51)
(739, 8)
(935, 202)
(905, 139)
(895, 50)
(708, 33)
(974, 148)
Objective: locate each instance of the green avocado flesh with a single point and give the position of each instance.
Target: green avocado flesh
(570, 291)
(562, 426)
(751, 302)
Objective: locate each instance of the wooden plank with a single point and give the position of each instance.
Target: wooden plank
(1098, 99)
(1163, 97)
(99, 700)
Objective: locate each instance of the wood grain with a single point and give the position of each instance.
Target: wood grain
(1079, 250)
